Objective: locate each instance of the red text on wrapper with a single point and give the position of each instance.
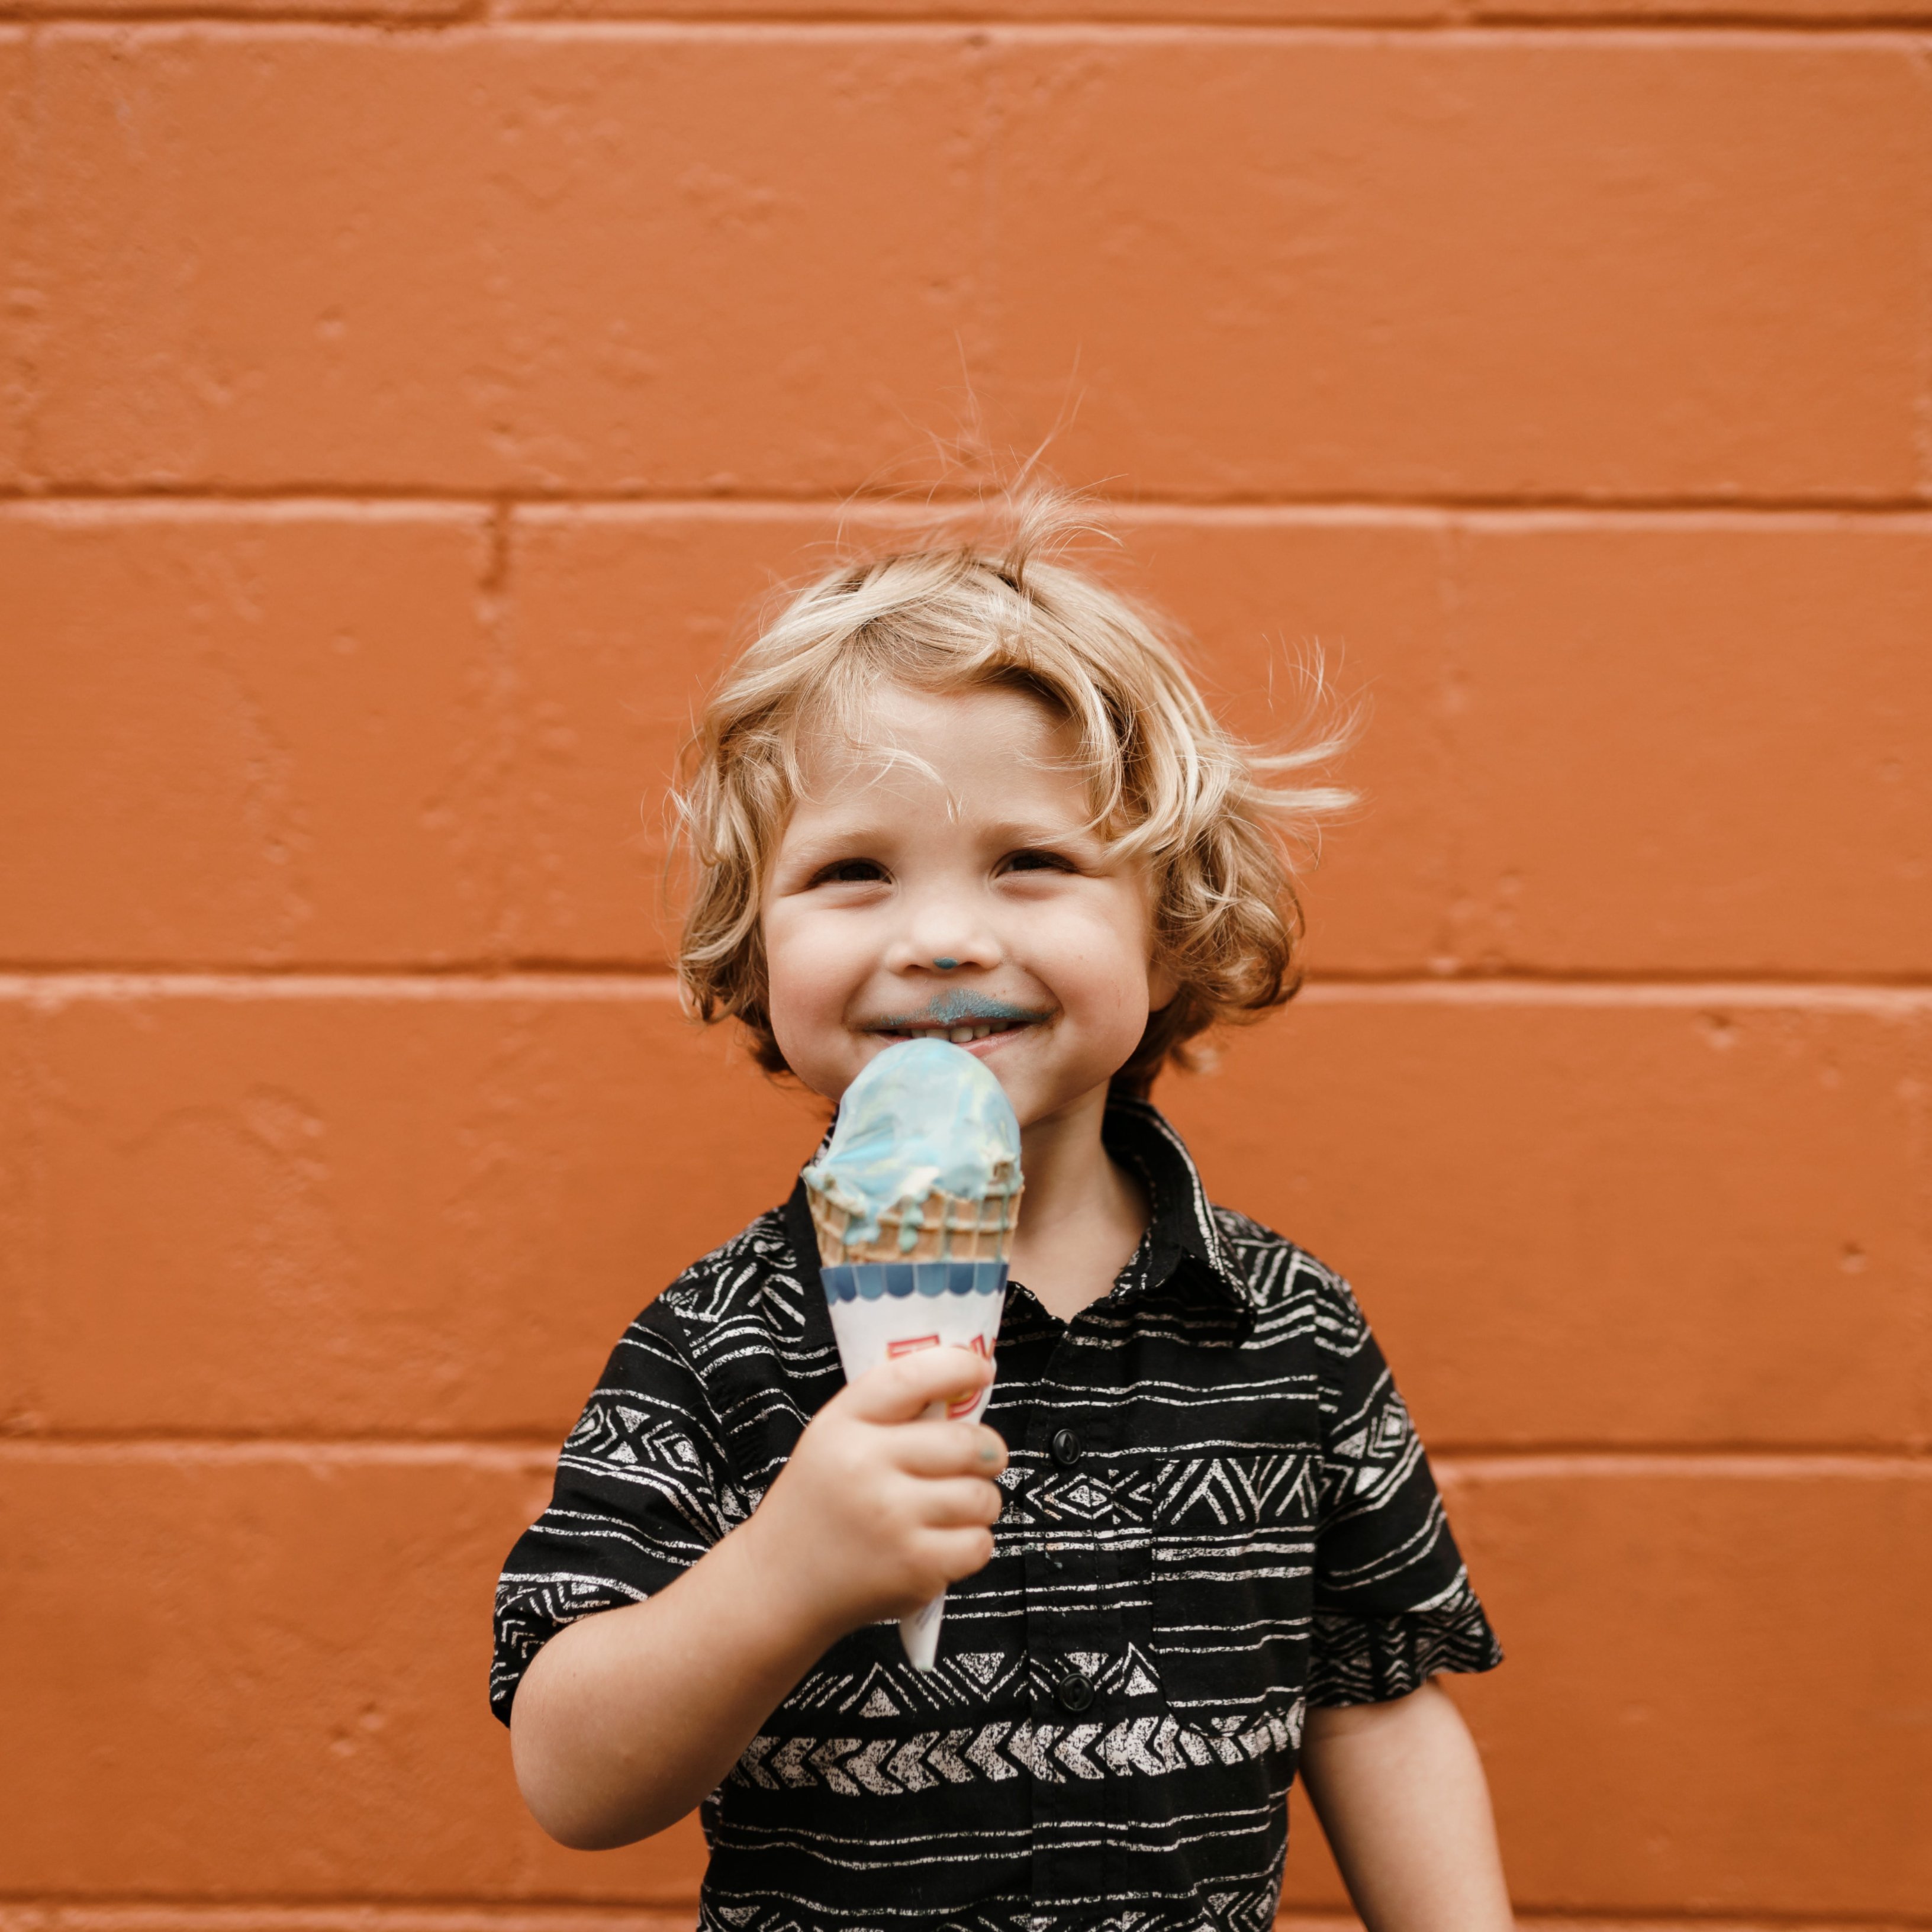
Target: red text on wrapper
(912, 1344)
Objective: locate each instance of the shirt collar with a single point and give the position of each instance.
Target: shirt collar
(1180, 1228)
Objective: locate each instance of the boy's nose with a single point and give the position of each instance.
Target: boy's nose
(942, 939)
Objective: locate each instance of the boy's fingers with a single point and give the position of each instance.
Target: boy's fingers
(957, 1501)
(898, 1391)
(949, 1449)
(957, 1553)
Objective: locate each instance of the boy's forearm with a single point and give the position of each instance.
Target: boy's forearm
(1401, 1795)
(627, 1719)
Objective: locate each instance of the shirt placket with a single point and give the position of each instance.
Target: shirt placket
(1075, 1634)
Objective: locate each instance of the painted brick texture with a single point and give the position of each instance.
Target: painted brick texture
(396, 429)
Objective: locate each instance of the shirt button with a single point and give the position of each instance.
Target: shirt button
(1075, 1692)
(1066, 1446)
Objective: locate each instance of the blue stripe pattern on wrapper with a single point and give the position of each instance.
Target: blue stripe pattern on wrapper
(867, 1281)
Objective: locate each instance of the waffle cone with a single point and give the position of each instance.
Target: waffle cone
(948, 1227)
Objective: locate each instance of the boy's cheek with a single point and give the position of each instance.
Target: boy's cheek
(804, 1006)
(1114, 971)
(819, 1074)
(807, 970)
(815, 1052)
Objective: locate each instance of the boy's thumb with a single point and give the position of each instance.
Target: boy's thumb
(898, 1391)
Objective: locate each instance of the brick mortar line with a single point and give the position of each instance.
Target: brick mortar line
(1908, 1462)
(83, 1450)
(110, 1910)
(79, 1910)
(60, 986)
(1587, 27)
(1756, 1463)
(121, 1910)
(1688, 993)
(351, 502)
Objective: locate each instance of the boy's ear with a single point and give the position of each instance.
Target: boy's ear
(1163, 983)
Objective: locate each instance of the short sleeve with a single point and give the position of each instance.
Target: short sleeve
(1393, 1603)
(643, 1489)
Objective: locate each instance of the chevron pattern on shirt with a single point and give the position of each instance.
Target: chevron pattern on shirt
(890, 1767)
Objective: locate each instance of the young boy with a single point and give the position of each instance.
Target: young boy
(969, 792)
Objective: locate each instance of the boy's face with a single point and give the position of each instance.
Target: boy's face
(951, 891)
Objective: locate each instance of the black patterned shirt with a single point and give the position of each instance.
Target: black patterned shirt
(1217, 1513)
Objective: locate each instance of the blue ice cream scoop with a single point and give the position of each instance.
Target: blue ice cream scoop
(924, 1116)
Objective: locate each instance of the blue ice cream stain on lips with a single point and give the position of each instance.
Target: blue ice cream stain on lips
(923, 1115)
(959, 1006)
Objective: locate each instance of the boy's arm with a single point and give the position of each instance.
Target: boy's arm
(627, 1718)
(1401, 1795)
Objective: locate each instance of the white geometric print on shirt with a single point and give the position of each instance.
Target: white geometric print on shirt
(1147, 1747)
(1251, 1910)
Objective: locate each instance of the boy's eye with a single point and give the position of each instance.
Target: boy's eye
(1032, 861)
(849, 872)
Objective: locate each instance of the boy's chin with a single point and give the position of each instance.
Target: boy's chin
(1047, 1103)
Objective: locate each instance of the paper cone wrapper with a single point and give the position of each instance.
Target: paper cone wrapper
(883, 1309)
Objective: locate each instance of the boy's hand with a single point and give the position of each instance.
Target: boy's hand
(877, 1510)
(625, 1719)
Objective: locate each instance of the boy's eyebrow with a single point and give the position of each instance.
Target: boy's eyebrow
(1020, 832)
(840, 834)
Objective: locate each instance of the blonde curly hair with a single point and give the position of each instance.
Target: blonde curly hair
(1213, 819)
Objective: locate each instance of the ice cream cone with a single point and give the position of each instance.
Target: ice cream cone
(907, 1265)
(943, 1227)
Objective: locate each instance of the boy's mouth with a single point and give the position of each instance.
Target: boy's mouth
(960, 1017)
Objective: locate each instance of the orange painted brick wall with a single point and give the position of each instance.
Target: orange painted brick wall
(401, 401)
